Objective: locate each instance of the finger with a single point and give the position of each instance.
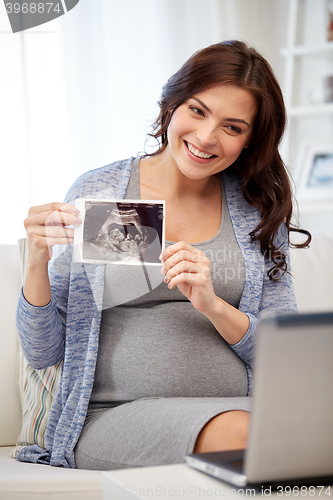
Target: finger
(197, 271)
(182, 267)
(50, 207)
(60, 241)
(193, 279)
(41, 243)
(176, 247)
(52, 218)
(51, 232)
(62, 218)
(56, 233)
(180, 256)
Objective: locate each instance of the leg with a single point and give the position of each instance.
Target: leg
(158, 431)
(226, 431)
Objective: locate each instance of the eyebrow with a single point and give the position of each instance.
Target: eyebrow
(206, 108)
(202, 104)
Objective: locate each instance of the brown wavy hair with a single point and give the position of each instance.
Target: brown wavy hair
(265, 180)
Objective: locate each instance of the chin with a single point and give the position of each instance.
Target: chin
(197, 176)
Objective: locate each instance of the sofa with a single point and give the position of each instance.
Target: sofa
(312, 273)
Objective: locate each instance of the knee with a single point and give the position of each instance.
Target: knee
(226, 431)
(238, 423)
(232, 425)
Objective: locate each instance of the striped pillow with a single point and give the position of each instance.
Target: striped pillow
(37, 389)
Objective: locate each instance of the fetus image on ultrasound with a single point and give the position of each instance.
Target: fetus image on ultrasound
(122, 232)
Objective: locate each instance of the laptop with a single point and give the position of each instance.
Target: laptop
(291, 430)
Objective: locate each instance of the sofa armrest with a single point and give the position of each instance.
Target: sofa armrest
(10, 284)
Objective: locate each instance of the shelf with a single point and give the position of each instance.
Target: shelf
(322, 109)
(304, 50)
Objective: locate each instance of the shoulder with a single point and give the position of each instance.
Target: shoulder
(109, 181)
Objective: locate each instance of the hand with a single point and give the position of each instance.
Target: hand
(46, 225)
(188, 268)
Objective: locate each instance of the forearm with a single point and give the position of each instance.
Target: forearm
(231, 323)
(36, 289)
(41, 314)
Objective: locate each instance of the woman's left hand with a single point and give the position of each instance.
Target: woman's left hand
(188, 268)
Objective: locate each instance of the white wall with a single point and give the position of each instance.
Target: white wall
(81, 91)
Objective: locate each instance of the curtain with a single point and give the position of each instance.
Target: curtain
(81, 91)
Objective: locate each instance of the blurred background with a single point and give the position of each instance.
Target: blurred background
(81, 91)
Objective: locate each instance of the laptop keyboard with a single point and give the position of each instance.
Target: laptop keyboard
(238, 464)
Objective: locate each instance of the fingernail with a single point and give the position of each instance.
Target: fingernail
(77, 220)
(76, 211)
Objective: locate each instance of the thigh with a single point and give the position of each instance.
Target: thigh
(148, 432)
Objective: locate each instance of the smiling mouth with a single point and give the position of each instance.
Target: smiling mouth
(197, 153)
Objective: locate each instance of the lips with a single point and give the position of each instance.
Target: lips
(198, 153)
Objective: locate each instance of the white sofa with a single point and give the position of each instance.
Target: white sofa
(313, 280)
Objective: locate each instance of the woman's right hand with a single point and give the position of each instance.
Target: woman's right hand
(46, 225)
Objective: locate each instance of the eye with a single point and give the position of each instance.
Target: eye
(233, 129)
(197, 111)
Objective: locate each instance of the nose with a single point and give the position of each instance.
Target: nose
(207, 134)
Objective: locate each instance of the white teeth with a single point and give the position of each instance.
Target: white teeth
(196, 152)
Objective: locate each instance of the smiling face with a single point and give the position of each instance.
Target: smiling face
(208, 132)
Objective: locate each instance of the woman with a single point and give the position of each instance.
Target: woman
(169, 371)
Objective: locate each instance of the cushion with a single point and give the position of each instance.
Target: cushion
(25, 481)
(312, 273)
(37, 389)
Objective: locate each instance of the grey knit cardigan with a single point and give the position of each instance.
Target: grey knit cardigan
(68, 327)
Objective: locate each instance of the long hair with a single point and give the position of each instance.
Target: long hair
(265, 181)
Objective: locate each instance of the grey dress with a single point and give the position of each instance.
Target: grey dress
(165, 371)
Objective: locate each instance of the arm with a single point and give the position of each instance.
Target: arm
(43, 342)
(45, 227)
(187, 268)
(41, 333)
(275, 297)
(41, 311)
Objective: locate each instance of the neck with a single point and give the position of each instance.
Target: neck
(167, 174)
